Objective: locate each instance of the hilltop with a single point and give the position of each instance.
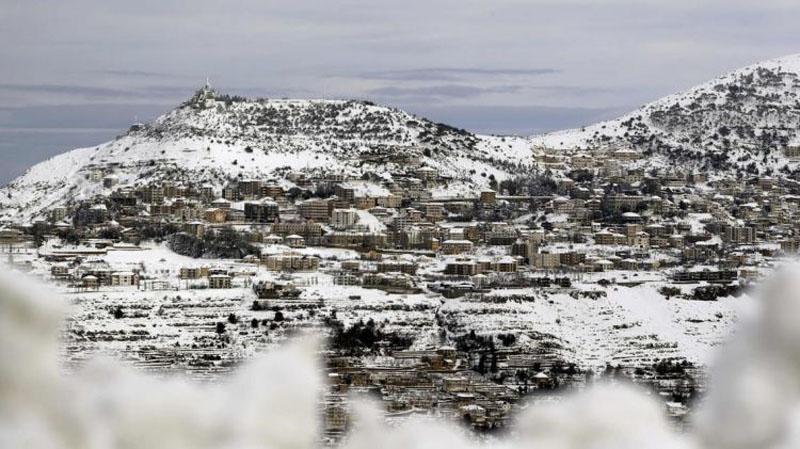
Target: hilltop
(745, 121)
(217, 138)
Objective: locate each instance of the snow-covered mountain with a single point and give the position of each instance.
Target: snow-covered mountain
(216, 138)
(743, 120)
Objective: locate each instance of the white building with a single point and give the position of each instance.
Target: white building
(344, 218)
(123, 279)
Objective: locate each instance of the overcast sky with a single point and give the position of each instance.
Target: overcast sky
(76, 73)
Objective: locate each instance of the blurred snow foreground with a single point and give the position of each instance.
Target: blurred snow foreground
(273, 402)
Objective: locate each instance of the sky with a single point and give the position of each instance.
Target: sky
(79, 73)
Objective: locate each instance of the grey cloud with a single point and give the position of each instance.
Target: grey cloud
(173, 93)
(442, 91)
(469, 91)
(125, 73)
(517, 120)
(446, 74)
(96, 92)
(86, 91)
(576, 90)
(475, 65)
(267, 92)
(79, 116)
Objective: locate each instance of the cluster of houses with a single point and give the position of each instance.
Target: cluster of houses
(597, 211)
(442, 380)
(581, 212)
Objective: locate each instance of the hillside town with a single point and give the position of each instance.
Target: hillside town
(418, 294)
(400, 225)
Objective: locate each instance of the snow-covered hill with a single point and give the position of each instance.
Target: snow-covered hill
(740, 121)
(215, 138)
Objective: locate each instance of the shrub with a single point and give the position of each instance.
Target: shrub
(669, 291)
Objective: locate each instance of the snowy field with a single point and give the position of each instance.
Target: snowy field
(589, 324)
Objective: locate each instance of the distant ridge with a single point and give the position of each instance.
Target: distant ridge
(216, 138)
(742, 121)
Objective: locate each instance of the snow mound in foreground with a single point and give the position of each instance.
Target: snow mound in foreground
(273, 401)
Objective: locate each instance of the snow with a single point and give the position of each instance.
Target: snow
(366, 189)
(751, 400)
(586, 327)
(766, 105)
(370, 221)
(213, 145)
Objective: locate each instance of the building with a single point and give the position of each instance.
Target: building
(603, 265)
(399, 266)
(346, 193)
(295, 241)
(631, 229)
(231, 192)
(290, 262)
(433, 211)
(275, 290)
(153, 194)
(461, 267)
(456, 246)
(193, 272)
(309, 230)
(389, 281)
(572, 258)
(90, 281)
(57, 214)
(124, 279)
(488, 197)
(624, 154)
(272, 190)
(195, 228)
(617, 203)
(790, 246)
(427, 173)
(273, 239)
(739, 234)
(364, 202)
(315, 209)
(606, 237)
(264, 211)
(343, 218)
(390, 201)
(501, 234)
(221, 203)
(219, 281)
(546, 260)
(506, 265)
(216, 215)
(792, 152)
(641, 240)
(249, 188)
(59, 271)
(719, 276)
(524, 249)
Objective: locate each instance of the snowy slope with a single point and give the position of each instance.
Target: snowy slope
(215, 138)
(742, 120)
(631, 326)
